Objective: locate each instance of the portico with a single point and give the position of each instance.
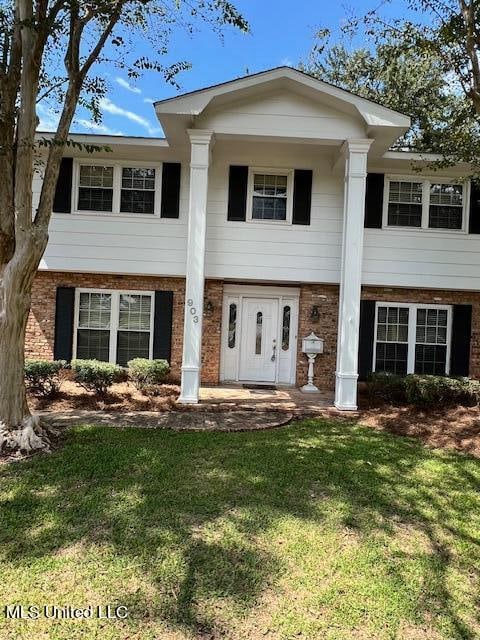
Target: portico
(313, 132)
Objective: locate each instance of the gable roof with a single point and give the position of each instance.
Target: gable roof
(193, 103)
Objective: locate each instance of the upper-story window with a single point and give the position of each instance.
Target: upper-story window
(95, 190)
(124, 189)
(270, 195)
(138, 190)
(425, 203)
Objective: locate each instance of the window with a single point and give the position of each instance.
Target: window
(95, 192)
(405, 204)
(270, 196)
(93, 334)
(426, 204)
(138, 191)
(258, 336)
(114, 326)
(118, 189)
(431, 341)
(446, 206)
(133, 327)
(286, 328)
(412, 339)
(232, 325)
(392, 340)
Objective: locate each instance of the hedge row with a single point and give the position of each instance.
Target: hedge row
(44, 376)
(424, 390)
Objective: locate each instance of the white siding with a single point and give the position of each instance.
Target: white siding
(420, 258)
(424, 258)
(282, 114)
(130, 244)
(275, 251)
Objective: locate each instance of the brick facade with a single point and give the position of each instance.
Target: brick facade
(325, 297)
(41, 323)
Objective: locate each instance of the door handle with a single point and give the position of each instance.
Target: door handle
(274, 352)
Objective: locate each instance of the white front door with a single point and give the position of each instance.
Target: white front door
(259, 349)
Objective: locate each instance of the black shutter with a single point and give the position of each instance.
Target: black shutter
(162, 325)
(374, 201)
(62, 349)
(62, 202)
(237, 193)
(170, 207)
(302, 196)
(474, 222)
(366, 338)
(461, 335)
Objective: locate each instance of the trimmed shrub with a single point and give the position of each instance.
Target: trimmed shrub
(43, 376)
(147, 375)
(387, 386)
(424, 390)
(96, 376)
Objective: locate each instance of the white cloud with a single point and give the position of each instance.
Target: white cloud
(286, 62)
(110, 107)
(48, 118)
(126, 85)
(149, 100)
(98, 128)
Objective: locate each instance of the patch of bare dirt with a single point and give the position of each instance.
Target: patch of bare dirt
(446, 427)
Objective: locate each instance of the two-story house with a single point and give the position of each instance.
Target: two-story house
(273, 207)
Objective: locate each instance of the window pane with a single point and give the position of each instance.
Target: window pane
(442, 217)
(431, 326)
(391, 358)
(392, 324)
(430, 359)
(286, 329)
(95, 199)
(258, 337)
(269, 208)
(132, 344)
(406, 192)
(93, 344)
(447, 194)
(140, 178)
(134, 201)
(404, 215)
(232, 326)
(94, 310)
(96, 176)
(134, 312)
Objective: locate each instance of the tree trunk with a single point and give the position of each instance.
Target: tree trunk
(19, 429)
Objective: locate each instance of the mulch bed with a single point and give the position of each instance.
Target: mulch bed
(447, 427)
(122, 397)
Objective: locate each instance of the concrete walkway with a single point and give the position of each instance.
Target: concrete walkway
(287, 399)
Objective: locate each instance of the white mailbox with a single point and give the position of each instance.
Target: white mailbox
(312, 344)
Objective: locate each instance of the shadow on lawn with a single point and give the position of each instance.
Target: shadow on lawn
(152, 494)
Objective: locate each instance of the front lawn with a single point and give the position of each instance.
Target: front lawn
(318, 530)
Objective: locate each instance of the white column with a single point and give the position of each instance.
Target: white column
(195, 277)
(356, 152)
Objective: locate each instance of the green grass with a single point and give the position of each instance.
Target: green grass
(318, 530)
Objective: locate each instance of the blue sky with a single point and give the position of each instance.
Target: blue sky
(278, 37)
